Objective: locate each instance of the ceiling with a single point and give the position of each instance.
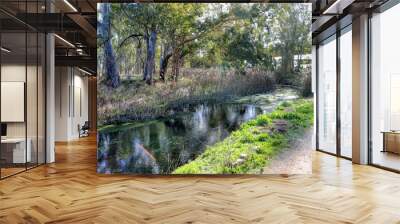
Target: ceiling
(331, 15)
(74, 21)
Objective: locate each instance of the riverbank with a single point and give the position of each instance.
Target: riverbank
(265, 101)
(134, 100)
(294, 159)
(255, 143)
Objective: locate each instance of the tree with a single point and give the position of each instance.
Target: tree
(104, 34)
(166, 53)
(238, 36)
(146, 24)
(292, 36)
(180, 27)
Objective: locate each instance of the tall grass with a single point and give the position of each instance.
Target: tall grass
(134, 100)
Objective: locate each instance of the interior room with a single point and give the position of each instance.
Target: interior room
(25, 64)
(49, 155)
(385, 88)
(71, 103)
(22, 103)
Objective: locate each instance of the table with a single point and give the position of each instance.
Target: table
(16, 147)
(391, 141)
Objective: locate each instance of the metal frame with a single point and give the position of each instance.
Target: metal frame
(389, 4)
(339, 32)
(44, 76)
(26, 89)
(386, 6)
(318, 93)
(338, 75)
(316, 97)
(369, 97)
(0, 92)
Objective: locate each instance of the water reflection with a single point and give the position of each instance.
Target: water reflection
(160, 146)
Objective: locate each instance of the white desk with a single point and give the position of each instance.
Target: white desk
(19, 154)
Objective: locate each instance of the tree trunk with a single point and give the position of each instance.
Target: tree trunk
(112, 74)
(166, 55)
(175, 65)
(151, 52)
(138, 60)
(145, 62)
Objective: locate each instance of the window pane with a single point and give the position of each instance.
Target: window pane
(14, 153)
(41, 99)
(346, 93)
(31, 100)
(327, 96)
(386, 89)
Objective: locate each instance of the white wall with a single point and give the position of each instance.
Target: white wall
(61, 103)
(17, 73)
(12, 73)
(71, 94)
(33, 126)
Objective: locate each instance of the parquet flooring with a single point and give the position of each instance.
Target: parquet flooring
(70, 191)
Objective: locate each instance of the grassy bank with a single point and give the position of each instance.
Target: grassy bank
(250, 148)
(134, 100)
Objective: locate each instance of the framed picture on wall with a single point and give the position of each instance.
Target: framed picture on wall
(204, 88)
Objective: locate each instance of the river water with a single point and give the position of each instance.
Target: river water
(160, 146)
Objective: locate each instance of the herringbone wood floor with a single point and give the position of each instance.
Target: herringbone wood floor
(70, 191)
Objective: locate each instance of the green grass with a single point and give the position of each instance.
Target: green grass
(255, 143)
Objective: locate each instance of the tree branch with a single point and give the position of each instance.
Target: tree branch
(130, 36)
(216, 25)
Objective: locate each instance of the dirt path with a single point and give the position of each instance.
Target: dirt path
(297, 159)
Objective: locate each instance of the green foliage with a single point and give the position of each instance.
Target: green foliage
(250, 148)
(293, 37)
(238, 36)
(236, 40)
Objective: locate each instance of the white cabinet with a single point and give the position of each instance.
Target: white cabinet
(18, 149)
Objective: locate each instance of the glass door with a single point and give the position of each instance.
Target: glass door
(346, 92)
(327, 95)
(385, 89)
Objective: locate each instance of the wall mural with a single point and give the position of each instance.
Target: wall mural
(222, 88)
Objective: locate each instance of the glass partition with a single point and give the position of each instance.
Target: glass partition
(22, 77)
(41, 97)
(13, 94)
(32, 98)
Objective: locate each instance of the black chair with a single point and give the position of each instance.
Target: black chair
(84, 130)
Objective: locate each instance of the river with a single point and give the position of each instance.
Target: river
(160, 146)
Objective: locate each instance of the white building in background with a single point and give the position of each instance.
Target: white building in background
(303, 59)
